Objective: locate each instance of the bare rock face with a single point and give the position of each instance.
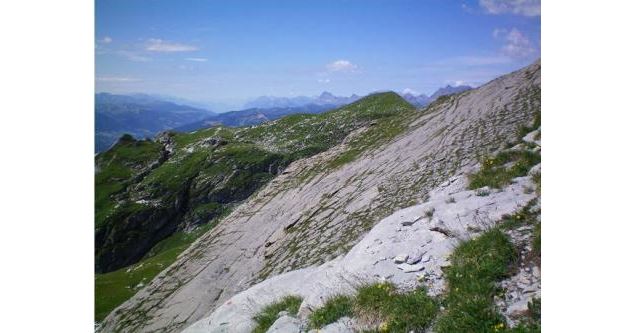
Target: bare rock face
(312, 213)
(369, 260)
(285, 324)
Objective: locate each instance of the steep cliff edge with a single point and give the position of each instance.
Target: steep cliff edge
(321, 206)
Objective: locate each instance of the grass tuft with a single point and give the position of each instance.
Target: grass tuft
(381, 304)
(476, 266)
(334, 309)
(494, 172)
(269, 314)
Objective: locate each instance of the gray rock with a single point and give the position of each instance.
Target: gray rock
(411, 221)
(414, 258)
(517, 308)
(535, 271)
(400, 258)
(411, 268)
(286, 324)
(342, 325)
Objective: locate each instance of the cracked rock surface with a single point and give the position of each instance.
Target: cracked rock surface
(371, 259)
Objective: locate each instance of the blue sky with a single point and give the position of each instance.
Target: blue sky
(229, 51)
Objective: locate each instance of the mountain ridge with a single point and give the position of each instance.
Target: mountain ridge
(140, 115)
(342, 192)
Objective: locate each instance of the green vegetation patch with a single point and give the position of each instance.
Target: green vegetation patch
(494, 172)
(475, 267)
(114, 288)
(380, 303)
(116, 167)
(332, 310)
(268, 315)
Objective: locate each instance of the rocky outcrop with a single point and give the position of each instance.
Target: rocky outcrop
(379, 256)
(317, 210)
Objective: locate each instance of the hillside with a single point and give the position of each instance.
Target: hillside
(328, 187)
(152, 193)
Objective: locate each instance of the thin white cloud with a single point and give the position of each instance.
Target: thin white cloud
(196, 59)
(159, 45)
(115, 79)
(327, 80)
(410, 91)
(517, 45)
(517, 7)
(486, 60)
(456, 83)
(105, 40)
(133, 56)
(341, 66)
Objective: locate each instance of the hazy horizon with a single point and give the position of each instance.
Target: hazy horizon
(231, 52)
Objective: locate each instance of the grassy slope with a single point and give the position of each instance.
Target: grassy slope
(114, 288)
(115, 169)
(249, 148)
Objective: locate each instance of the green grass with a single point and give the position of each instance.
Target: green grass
(267, 316)
(524, 130)
(332, 310)
(475, 267)
(116, 168)
(380, 303)
(114, 288)
(493, 172)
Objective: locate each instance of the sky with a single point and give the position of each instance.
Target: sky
(233, 50)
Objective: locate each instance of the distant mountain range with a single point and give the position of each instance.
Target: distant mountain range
(423, 100)
(326, 98)
(143, 115)
(140, 115)
(253, 116)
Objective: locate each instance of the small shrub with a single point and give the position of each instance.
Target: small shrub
(375, 298)
(450, 200)
(269, 314)
(482, 192)
(429, 213)
(334, 309)
(413, 311)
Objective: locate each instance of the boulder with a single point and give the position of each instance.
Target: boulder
(342, 325)
(401, 258)
(286, 324)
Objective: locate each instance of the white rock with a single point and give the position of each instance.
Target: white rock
(400, 258)
(535, 271)
(343, 275)
(517, 308)
(413, 259)
(411, 268)
(285, 324)
(342, 325)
